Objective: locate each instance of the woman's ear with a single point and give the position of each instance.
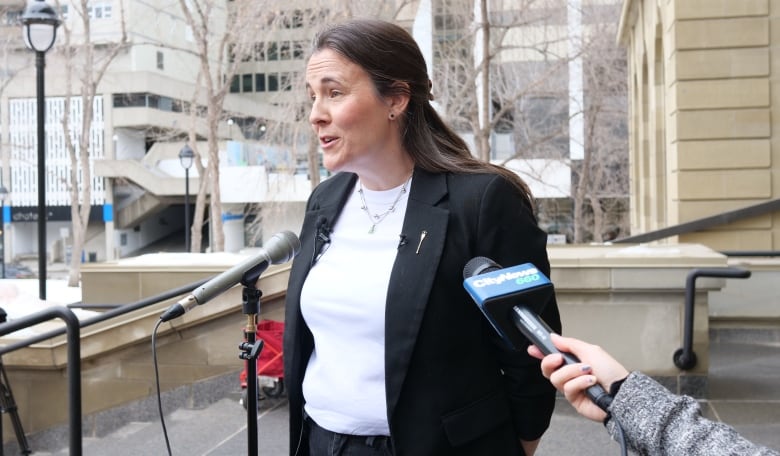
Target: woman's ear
(398, 100)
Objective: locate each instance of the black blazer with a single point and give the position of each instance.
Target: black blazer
(453, 388)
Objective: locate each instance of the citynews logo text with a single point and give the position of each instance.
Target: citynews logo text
(520, 277)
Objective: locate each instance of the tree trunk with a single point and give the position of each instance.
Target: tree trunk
(483, 139)
(314, 160)
(90, 76)
(214, 114)
(196, 230)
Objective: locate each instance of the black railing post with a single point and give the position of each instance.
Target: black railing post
(685, 358)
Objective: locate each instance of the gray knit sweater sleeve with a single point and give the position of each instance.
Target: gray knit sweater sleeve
(657, 422)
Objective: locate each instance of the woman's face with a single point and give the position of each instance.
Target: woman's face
(350, 119)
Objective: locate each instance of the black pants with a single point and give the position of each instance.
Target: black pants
(323, 442)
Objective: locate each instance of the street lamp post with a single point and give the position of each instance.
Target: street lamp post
(186, 156)
(3, 195)
(40, 24)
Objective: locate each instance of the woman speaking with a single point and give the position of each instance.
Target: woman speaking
(385, 353)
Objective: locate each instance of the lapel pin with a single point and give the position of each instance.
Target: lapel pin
(422, 238)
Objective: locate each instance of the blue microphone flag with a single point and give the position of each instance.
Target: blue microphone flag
(496, 292)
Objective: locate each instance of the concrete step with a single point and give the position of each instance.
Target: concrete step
(218, 429)
(735, 332)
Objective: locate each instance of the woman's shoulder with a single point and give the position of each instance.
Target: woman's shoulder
(488, 187)
(478, 181)
(336, 179)
(333, 183)
(331, 191)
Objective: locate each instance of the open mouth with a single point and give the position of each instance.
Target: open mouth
(325, 140)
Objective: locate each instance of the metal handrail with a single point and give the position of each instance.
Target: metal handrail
(751, 253)
(684, 357)
(115, 312)
(74, 362)
(73, 328)
(704, 223)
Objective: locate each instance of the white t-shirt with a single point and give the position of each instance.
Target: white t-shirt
(343, 302)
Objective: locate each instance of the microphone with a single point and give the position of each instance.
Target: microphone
(321, 239)
(512, 298)
(281, 248)
(323, 229)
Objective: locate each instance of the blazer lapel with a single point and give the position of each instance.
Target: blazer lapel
(424, 231)
(324, 209)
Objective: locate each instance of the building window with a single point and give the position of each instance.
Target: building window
(260, 82)
(235, 84)
(106, 11)
(165, 103)
(259, 52)
(152, 100)
(179, 106)
(14, 17)
(541, 124)
(129, 100)
(273, 82)
(285, 53)
(283, 50)
(285, 81)
(246, 83)
(298, 47)
(99, 10)
(273, 51)
(160, 60)
(297, 19)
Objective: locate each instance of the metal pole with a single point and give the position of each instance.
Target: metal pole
(187, 209)
(2, 234)
(39, 65)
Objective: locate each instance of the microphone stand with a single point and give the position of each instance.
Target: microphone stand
(8, 405)
(250, 350)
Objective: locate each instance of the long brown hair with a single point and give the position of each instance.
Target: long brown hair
(396, 65)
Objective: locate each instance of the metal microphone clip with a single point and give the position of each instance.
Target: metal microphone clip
(321, 239)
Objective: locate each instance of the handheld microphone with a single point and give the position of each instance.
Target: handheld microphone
(281, 248)
(512, 298)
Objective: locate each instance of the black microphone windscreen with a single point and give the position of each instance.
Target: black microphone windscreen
(479, 265)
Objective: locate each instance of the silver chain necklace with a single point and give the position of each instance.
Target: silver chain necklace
(376, 219)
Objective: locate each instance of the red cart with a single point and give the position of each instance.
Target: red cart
(270, 362)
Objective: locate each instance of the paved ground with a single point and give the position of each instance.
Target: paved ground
(744, 392)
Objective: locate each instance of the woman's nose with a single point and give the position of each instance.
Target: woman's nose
(318, 114)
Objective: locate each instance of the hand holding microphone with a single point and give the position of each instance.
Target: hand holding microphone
(511, 300)
(574, 380)
(280, 248)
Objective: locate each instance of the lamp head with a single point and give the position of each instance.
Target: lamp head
(40, 23)
(186, 156)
